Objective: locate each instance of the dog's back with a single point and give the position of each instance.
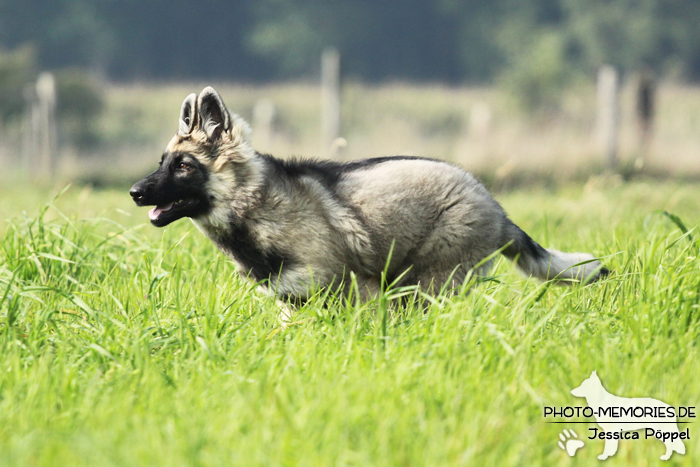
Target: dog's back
(433, 216)
(301, 223)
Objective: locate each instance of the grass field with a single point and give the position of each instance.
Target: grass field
(125, 345)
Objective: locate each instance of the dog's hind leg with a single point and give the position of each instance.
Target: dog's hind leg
(609, 450)
(675, 445)
(679, 446)
(286, 312)
(667, 454)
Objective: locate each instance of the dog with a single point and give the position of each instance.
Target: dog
(292, 225)
(601, 401)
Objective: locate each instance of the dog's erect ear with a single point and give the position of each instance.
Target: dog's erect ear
(213, 116)
(187, 114)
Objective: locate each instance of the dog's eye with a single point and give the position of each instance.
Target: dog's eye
(184, 166)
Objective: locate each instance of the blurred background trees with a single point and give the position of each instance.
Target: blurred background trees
(435, 77)
(454, 41)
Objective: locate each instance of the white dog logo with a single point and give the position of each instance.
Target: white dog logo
(614, 424)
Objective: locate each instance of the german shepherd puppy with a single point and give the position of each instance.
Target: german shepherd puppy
(295, 224)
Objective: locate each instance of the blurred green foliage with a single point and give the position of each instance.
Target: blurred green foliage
(79, 102)
(16, 71)
(538, 77)
(79, 97)
(445, 40)
(534, 49)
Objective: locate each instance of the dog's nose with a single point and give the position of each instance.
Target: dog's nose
(136, 192)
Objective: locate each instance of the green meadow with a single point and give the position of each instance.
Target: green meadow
(126, 345)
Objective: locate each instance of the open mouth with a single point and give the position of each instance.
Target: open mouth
(171, 211)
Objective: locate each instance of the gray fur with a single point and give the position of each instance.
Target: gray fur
(294, 224)
(434, 218)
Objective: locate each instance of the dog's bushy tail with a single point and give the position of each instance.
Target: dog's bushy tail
(534, 260)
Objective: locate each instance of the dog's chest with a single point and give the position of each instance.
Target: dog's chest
(254, 256)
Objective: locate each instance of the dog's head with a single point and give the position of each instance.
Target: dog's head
(589, 386)
(199, 167)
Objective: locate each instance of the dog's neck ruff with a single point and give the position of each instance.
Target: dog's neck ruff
(234, 191)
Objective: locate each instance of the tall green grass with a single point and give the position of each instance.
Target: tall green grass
(124, 345)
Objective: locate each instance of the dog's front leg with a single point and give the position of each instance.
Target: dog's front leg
(609, 450)
(286, 312)
(286, 309)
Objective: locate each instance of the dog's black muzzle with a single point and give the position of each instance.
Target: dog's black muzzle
(156, 188)
(172, 199)
(138, 192)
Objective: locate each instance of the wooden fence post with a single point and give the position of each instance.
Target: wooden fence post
(30, 124)
(46, 125)
(646, 103)
(608, 113)
(330, 100)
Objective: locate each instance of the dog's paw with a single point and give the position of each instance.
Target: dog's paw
(569, 443)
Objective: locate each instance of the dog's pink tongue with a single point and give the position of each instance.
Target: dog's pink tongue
(154, 213)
